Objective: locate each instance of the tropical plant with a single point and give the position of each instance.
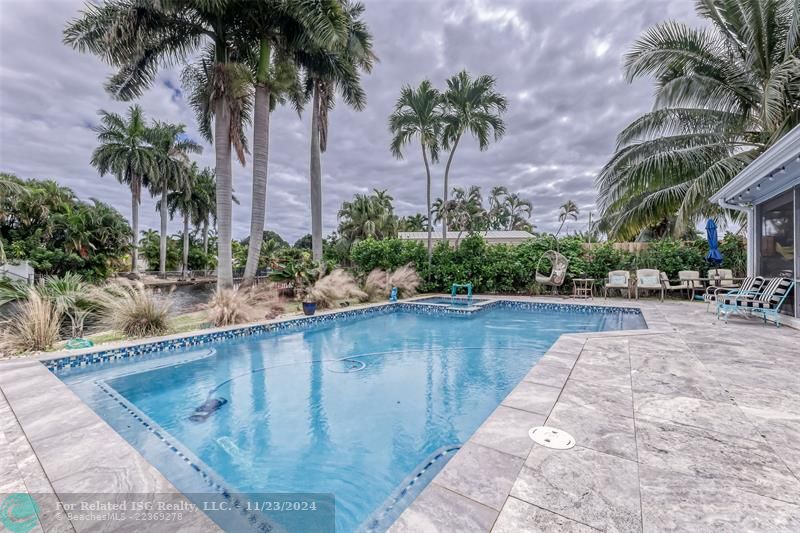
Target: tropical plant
(474, 106)
(139, 36)
(205, 205)
(133, 310)
(379, 283)
(569, 210)
(724, 94)
(367, 216)
(415, 222)
(417, 115)
(33, 326)
(331, 68)
(184, 201)
(519, 211)
(56, 233)
(125, 151)
(171, 148)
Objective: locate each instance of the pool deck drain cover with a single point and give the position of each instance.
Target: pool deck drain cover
(551, 437)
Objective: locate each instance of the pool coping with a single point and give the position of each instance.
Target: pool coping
(32, 390)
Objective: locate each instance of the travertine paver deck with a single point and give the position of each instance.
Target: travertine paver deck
(693, 426)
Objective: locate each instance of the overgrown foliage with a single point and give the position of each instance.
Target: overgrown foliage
(48, 226)
(510, 269)
(338, 285)
(379, 283)
(228, 307)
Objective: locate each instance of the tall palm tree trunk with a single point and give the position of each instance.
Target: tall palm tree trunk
(430, 226)
(444, 194)
(316, 180)
(185, 265)
(222, 146)
(162, 245)
(260, 162)
(205, 236)
(136, 191)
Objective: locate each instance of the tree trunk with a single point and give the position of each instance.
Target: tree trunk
(260, 163)
(162, 245)
(185, 269)
(444, 196)
(316, 180)
(222, 147)
(430, 225)
(136, 190)
(205, 246)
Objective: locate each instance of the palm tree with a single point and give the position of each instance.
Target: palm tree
(569, 210)
(417, 114)
(280, 30)
(367, 216)
(724, 94)
(473, 106)
(416, 222)
(498, 215)
(171, 150)
(139, 36)
(519, 211)
(185, 200)
(125, 152)
(330, 70)
(205, 207)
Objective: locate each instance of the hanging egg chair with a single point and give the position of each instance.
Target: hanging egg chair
(557, 272)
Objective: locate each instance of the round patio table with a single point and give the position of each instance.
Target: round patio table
(583, 288)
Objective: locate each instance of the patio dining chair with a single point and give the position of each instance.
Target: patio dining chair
(766, 303)
(649, 279)
(687, 280)
(618, 279)
(750, 286)
(724, 277)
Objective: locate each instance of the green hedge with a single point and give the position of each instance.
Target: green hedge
(503, 268)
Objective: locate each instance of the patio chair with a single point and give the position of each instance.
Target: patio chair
(766, 303)
(618, 279)
(724, 275)
(688, 280)
(648, 279)
(750, 286)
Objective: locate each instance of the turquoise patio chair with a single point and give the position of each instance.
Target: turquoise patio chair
(750, 286)
(767, 303)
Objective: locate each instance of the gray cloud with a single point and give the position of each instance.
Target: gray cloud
(558, 62)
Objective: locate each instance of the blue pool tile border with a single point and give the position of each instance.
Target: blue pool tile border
(115, 354)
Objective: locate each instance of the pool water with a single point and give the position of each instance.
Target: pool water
(351, 407)
(446, 300)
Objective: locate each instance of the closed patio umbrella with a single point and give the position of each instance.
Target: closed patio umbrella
(713, 243)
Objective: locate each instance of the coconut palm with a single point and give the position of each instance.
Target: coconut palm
(417, 115)
(332, 69)
(137, 37)
(569, 210)
(172, 149)
(416, 222)
(205, 206)
(470, 106)
(724, 94)
(125, 152)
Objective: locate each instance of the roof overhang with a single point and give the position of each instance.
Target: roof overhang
(771, 173)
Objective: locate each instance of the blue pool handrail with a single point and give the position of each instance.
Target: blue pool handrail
(454, 290)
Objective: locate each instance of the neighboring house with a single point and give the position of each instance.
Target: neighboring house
(491, 237)
(768, 191)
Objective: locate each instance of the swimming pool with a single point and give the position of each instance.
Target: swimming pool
(356, 407)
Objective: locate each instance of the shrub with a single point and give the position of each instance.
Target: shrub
(338, 285)
(376, 283)
(379, 283)
(33, 326)
(228, 307)
(133, 310)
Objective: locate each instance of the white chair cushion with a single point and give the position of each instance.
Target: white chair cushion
(617, 279)
(650, 281)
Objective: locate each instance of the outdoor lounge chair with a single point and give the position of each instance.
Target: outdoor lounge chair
(648, 279)
(766, 303)
(618, 279)
(750, 286)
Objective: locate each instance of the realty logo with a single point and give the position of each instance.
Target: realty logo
(18, 512)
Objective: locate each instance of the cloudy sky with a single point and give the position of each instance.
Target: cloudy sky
(558, 62)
